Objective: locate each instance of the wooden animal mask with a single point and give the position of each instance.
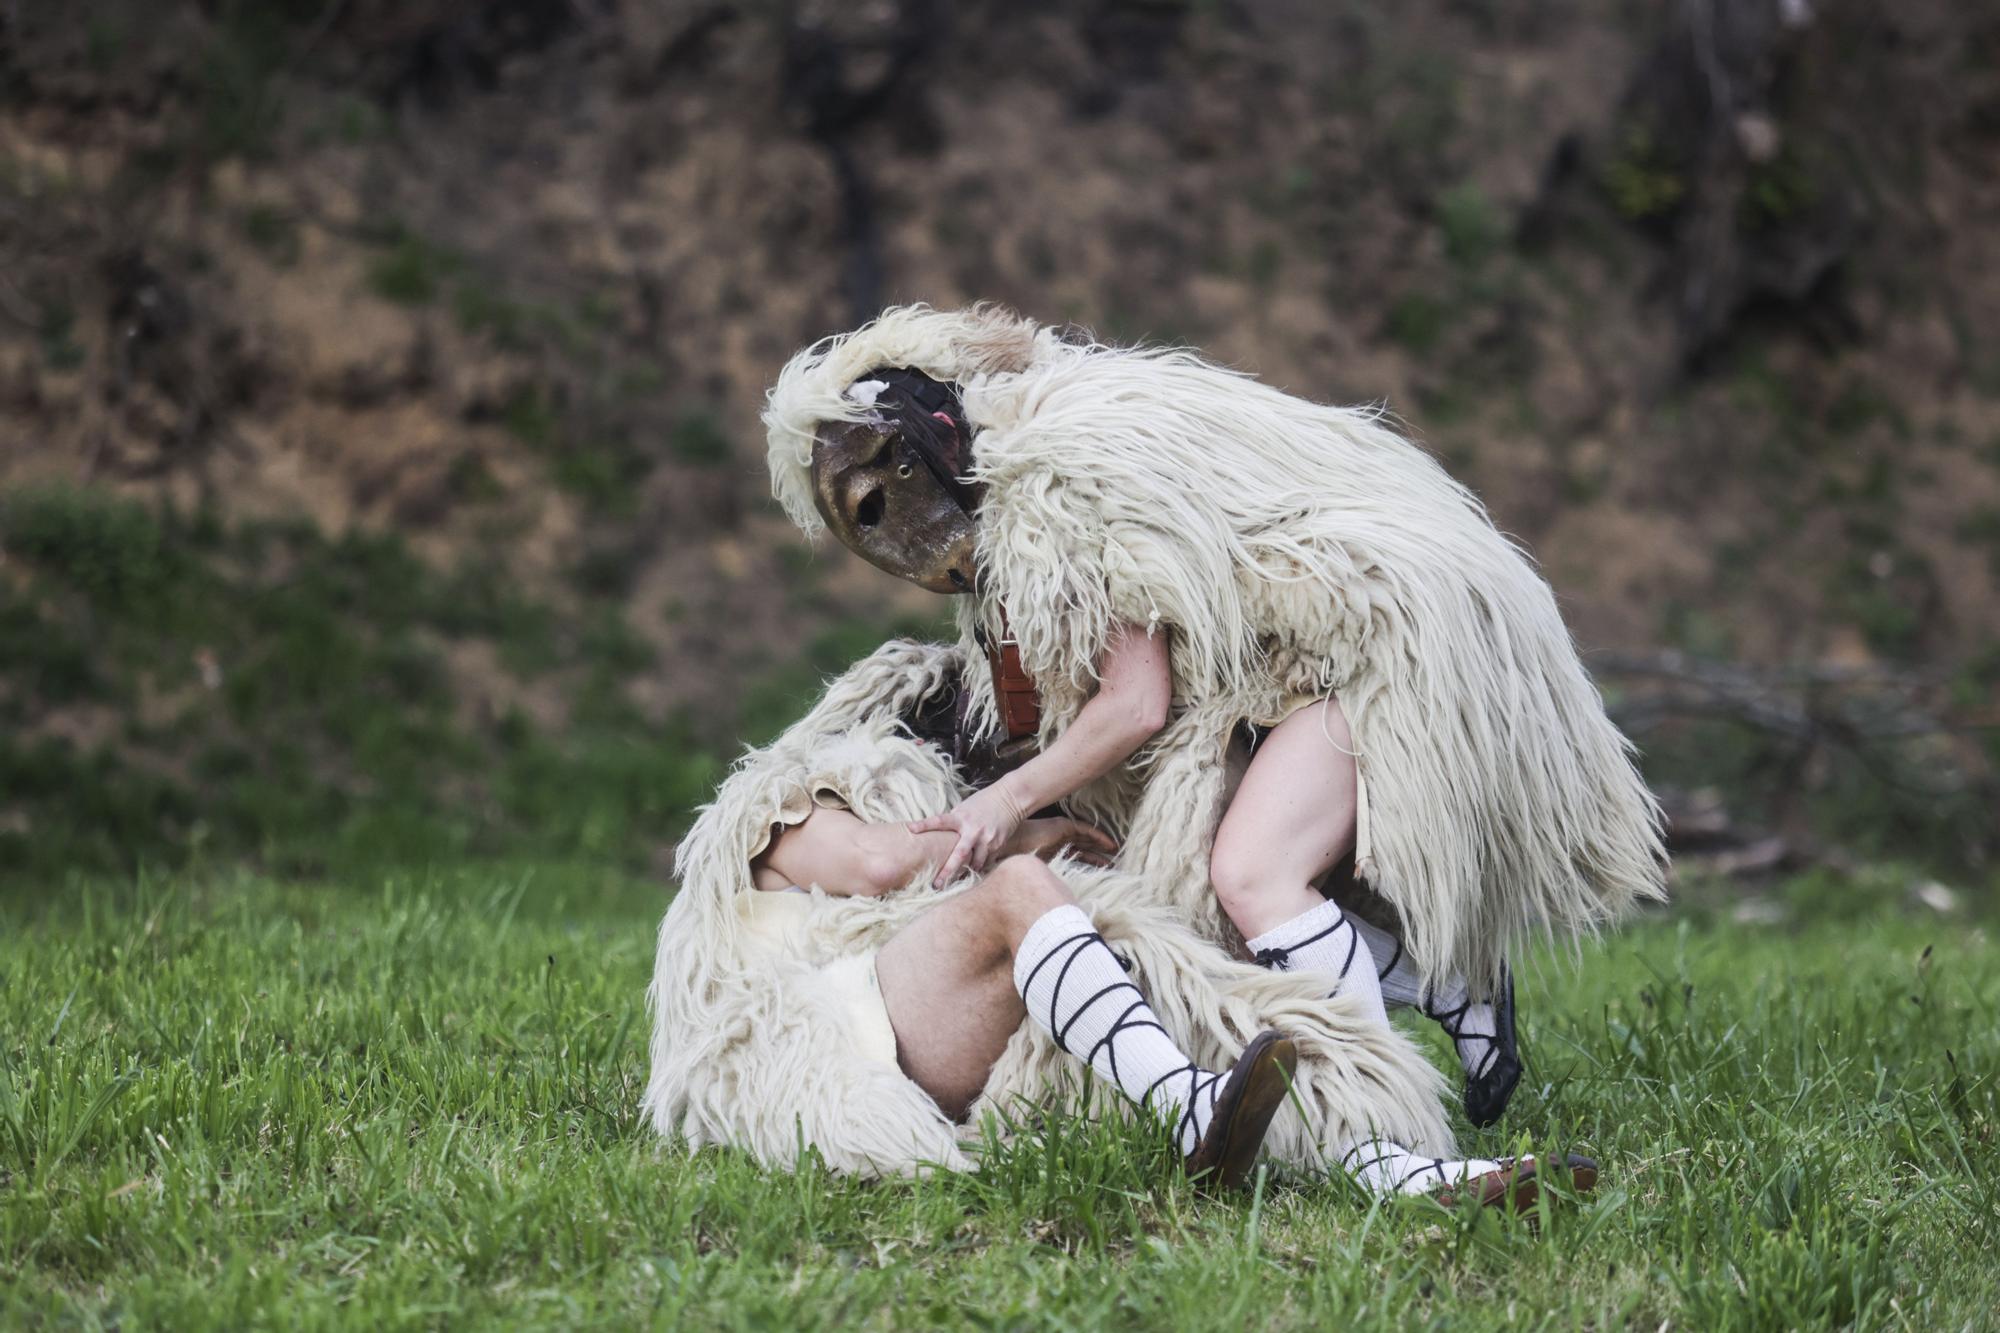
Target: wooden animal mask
(892, 487)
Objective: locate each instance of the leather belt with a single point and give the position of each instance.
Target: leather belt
(1013, 688)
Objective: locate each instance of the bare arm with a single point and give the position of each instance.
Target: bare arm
(851, 858)
(848, 856)
(1130, 706)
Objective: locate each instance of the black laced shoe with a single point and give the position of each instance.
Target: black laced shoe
(1487, 1095)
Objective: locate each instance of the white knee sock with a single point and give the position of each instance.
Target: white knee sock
(1075, 987)
(1324, 940)
(1383, 1167)
(1471, 1026)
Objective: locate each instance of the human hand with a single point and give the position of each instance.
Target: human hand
(1049, 838)
(983, 821)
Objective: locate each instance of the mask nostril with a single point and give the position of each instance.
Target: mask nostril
(869, 512)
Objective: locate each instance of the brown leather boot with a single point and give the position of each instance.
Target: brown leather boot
(1252, 1092)
(1514, 1185)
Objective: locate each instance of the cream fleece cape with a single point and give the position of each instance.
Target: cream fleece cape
(1295, 550)
(750, 1049)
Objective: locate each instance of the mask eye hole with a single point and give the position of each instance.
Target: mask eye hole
(869, 512)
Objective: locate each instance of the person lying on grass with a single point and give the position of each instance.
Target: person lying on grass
(875, 1020)
(1015, 946)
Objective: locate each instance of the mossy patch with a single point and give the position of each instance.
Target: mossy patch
(1644, 182)
(1472, 228)
(412, 271)
(298, 710)
(698, 437)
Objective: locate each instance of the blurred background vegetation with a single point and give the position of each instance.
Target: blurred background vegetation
(380, 478)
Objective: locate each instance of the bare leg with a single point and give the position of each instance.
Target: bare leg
(959, 980)
(957, 960)
(1291, 821)
(954, 981)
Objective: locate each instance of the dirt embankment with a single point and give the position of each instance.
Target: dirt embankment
(1708, 310)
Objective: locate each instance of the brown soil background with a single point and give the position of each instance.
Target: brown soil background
(398, 266)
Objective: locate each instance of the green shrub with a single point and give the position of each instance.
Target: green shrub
(109, 550)
(1642, 180)
(1417, 321)
(1778, 192)
(699, 438)
(1472, 227)
(412, 271)
(483, 310)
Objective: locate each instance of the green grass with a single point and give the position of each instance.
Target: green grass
(225, 1102)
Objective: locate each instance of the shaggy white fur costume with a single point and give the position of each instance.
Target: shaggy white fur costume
(749, 1049)
(1296, 551)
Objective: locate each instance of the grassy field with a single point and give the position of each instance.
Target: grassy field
(227, 1102)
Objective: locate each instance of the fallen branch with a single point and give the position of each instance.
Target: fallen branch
(1904, 728)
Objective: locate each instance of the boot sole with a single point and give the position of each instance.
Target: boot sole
(1486, 1099)
(1257, 1087)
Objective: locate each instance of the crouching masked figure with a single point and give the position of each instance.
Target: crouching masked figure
(812, 989)
(1270, 644)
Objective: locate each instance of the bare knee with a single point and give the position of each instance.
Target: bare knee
(879, 871)
(1019, 891)
(1240, 877)
(1259, 886)
(1291, 821)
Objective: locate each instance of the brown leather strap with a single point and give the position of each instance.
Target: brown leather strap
(1013, 689)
